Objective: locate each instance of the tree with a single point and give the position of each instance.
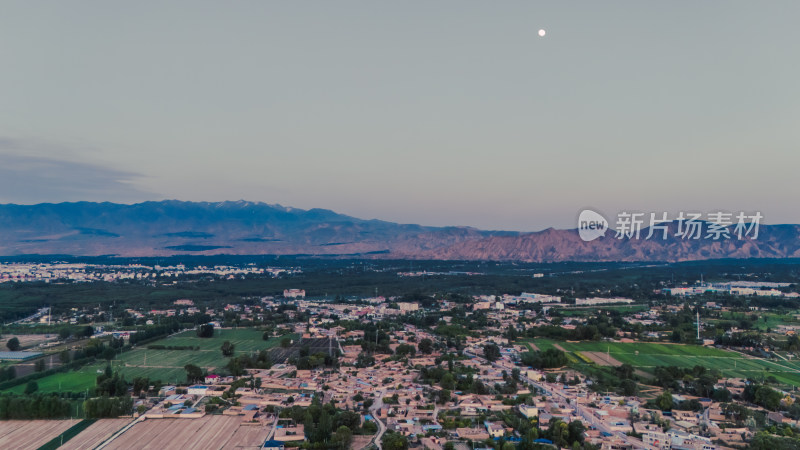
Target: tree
(349, 419)
(193, 373)
(628, 388)
(227, 348)
(664, 401)
(323, 430)
(205, 330)
(8, 374)
(576, 430)
(767, 397)
(448, 381)
(13, 344)
(405, 349)
(64, 357)
(444, 396)
(511, 333)
(364, 360)
(344, 435)
(625, 371)
(31, 387)
(559, 432)
(108, 407)
(394, 441)
(721, 395)
(425, 346)
(109, 353)
(491, 351)
(548, 359)
(286, 342)
(64, 333)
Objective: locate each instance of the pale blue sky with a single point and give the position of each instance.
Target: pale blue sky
(440, 113)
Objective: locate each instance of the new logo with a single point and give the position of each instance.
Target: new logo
(591, 225)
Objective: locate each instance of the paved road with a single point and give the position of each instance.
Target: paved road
(373, 410)
(274, 427)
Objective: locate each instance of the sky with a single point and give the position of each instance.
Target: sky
(438, 113)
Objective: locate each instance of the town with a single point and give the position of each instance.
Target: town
(447, 371)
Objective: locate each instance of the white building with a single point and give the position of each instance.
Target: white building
(294, 293)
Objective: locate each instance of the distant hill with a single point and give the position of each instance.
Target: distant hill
(246, 228)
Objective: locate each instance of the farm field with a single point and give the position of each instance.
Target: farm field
(211, 431)
(64, 382)
(164, 365)
(581, 311)
(245, 340)
(167, 365)
(647, 355)
(31, 433)
(764, 320)
(95, 434)
(28, 341)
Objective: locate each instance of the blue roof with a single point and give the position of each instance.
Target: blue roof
(543, 441)
(198, 386)
(250, 407)
(189, 410)
(273, 443)
(368, 417)
(19, 356)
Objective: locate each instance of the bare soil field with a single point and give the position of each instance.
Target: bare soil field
(360, 442)
(208, 432)
(29, 366)
(95, 434)
(25, 434)
(602, 359)
(28, 341)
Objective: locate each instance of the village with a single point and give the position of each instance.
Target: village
(498, 371)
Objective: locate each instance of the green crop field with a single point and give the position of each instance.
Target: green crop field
(245, 340)
(164, 365)
(583, 311)
(763, 320)
(647, 355)
(167, 365)
(66, 382)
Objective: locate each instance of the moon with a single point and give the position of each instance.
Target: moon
(542, 33)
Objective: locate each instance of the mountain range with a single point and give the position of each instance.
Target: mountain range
(245, 228)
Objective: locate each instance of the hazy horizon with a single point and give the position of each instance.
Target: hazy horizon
(447, 113)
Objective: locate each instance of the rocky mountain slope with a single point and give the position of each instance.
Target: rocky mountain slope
(174, 227)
